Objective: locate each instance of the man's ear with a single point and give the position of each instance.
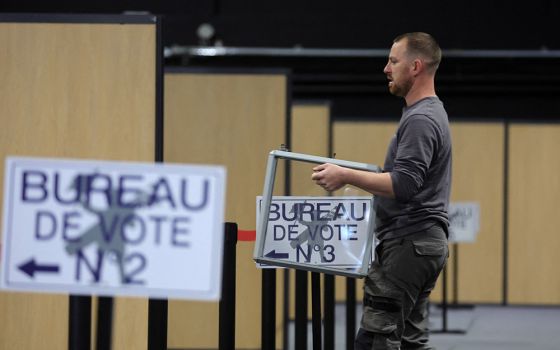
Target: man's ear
(418, 66)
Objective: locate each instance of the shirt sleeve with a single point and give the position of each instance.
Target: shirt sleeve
(416, 146)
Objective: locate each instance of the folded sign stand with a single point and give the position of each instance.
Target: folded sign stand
(321, 234)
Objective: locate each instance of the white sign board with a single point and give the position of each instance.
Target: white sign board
(328, 232)
(464, 221)
(113, 228)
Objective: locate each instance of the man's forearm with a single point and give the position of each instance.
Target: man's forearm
(379, 184)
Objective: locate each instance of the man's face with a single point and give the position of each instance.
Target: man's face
(398, 70)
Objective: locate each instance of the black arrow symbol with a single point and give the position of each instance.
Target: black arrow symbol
(273, 255)
(30, 267)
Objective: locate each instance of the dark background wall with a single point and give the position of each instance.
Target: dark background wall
(476, 24)
(501, 87)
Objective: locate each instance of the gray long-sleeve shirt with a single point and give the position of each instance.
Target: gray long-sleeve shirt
(419, 160)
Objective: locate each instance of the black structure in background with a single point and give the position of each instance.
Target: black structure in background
(227, 302)
(498, 86)
(350, 312)
(286, 310)
(268, 310)
(301, 310)
(316, 318)
(79, 322)
(476, 24)
(329, 307)
(158, 308)
(104, 335)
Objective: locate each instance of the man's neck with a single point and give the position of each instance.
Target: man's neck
(421, 89)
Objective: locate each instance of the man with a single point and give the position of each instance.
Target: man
(412, 200)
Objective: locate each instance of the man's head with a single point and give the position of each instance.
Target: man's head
(412, 55)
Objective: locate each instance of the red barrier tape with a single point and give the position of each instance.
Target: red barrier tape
(244, 235)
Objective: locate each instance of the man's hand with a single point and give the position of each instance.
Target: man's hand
(329, 176)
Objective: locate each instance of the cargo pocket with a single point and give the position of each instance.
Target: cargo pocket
(430, 248)
(379, 321)
(384, 326)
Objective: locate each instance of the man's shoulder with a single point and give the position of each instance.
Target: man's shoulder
(426, 106)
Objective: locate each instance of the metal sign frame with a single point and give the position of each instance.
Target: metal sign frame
(270, 176)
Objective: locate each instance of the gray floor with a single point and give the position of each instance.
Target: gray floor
(484, 327)
(496, 328)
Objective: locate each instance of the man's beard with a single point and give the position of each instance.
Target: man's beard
(401, 89)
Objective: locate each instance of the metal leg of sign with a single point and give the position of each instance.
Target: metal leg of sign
(157, 324)
(350, 312)
(79, 322)
(316, 310)
(268, 326)
(301, 310)
(104, 336)
(329, 303)
(227, 302)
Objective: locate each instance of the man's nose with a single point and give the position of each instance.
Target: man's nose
(386, 70)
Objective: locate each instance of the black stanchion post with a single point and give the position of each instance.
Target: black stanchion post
(104, 337)
(227, 302)
(157, 324)
(350, 312)
(301, 310)
(316, 310)
(157, 308)
(328, 325)
(268, 326)
(79, 322)
(286, 310)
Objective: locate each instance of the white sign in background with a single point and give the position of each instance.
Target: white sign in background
(113, 228)
(464, 221)
(320, 231)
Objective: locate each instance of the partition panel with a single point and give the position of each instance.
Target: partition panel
(80, 90)
(533, 239)
(234, 119)
(310, 135)
(478, 176)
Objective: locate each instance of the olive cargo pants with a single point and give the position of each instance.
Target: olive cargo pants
(397, 288)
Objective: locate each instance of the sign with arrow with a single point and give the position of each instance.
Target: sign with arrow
(318, 232)
(30, 267)
(113, 228)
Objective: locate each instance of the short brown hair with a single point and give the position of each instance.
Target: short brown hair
(423, 44)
